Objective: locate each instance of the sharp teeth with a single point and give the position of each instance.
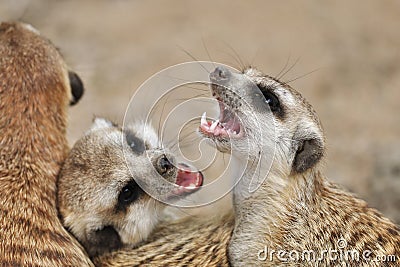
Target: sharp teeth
(191, 186)
(204, 119)
(214, 125)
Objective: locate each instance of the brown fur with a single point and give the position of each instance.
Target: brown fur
(331, 212)
(189, 242)
(34, 95)
(295, 208)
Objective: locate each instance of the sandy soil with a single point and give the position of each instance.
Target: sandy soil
(354, 46)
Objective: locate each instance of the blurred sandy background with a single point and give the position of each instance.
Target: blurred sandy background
(354, 45)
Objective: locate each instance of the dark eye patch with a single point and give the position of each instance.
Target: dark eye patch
(136, 144)
(128, 194)
(77, 87)
(272, 100)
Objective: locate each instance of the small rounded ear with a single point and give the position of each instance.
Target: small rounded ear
(307, 155)
(102, 241)
(101, 123)
(77, 87)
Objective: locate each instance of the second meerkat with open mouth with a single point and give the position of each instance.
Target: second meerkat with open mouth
(100, 200)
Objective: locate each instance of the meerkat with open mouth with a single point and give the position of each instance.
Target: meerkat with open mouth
(99, 198)
(295, 209)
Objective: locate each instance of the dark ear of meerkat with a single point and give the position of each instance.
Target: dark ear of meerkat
(99, 198)
(77, 88)
(35, 92)
(307, 155)
(296, 217)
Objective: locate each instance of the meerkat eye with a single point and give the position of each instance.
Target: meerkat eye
(128, 194)
(271, 99)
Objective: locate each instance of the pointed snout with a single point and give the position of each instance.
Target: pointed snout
(220, 74)
(164, 165)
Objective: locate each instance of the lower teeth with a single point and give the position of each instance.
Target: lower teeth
(191, 186)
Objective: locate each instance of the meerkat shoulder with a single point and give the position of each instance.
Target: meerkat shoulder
(36, 88)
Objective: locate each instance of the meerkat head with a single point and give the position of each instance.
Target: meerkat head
(99, 198)
(26, 53)
(256, 111)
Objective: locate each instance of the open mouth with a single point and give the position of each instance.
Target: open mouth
(188, 180)
(227, 126)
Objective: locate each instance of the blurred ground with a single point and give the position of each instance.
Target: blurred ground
(354, 45)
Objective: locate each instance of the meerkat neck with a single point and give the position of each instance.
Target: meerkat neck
(259, 215)
(37, 132)
(33, 145)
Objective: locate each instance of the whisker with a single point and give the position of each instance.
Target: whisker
(181, 142)
(302, 76)
(180, 209)
(161, 115)
(24, 12)
(195, 59)
(197, 88)
(284, 67)
(196, 96)
(182, 138)
(208, 53)
(255, 56)
(289, 69)
(179, 79)
(242, 65)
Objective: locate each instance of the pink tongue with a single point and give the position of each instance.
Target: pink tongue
(187, 177)
(228, 118)
(233, 125)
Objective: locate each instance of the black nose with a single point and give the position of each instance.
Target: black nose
(165, 164)
(220, 74)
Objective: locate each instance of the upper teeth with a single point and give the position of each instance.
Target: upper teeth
(214, 125)
(204, 123)
(204, 118)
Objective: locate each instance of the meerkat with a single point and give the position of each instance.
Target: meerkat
(36, 88)
(296, 217)
(100, 201)
(296, 209)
